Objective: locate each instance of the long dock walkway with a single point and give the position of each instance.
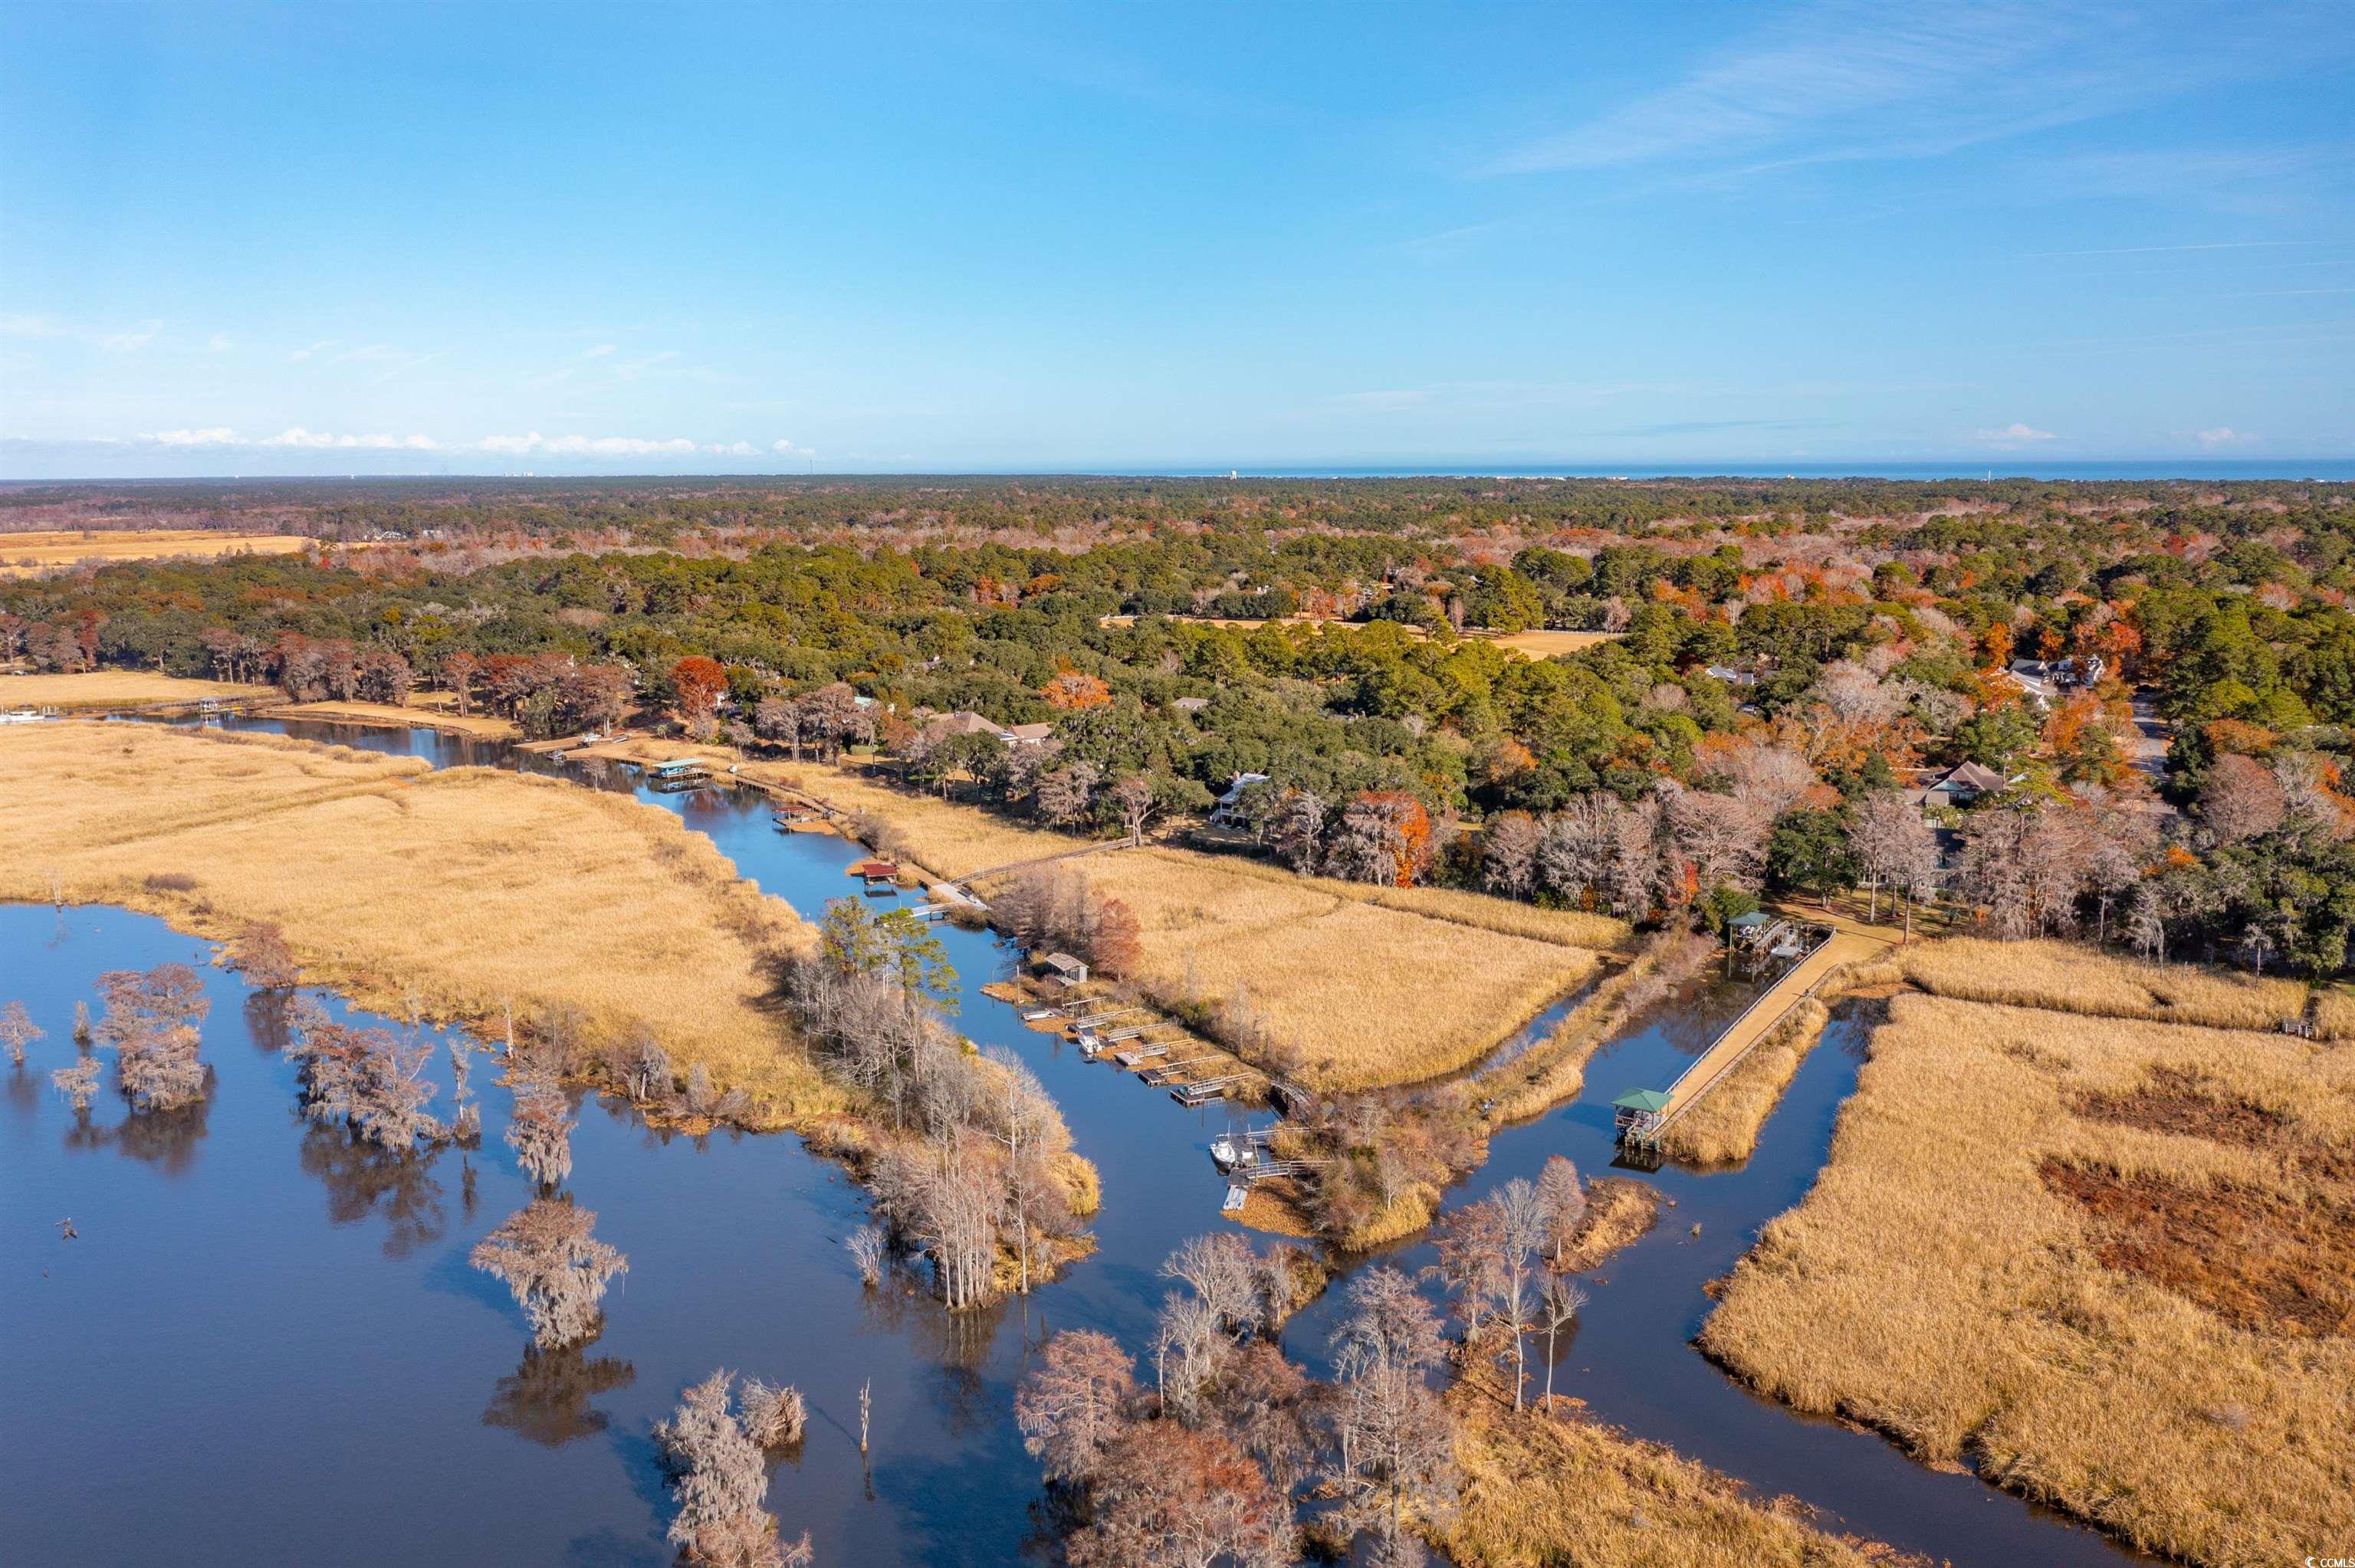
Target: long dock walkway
(1846, 945)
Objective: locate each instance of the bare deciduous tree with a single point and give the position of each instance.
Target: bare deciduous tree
(1074, 1404)
(1562, 1201)
(1392, 1448)
(151, 1020)
(539, 1129)
(546, 1254)
(720, 1477)
(77, 1082)
(867, 1246)
(17, 1031)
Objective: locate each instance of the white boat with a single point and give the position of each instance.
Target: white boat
(23, 715)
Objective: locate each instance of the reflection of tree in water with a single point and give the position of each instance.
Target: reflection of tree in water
(166, 1140)
(362, 1179)
(266, 1020)
(958, 1342)
(24, 1094)
(547, 1399)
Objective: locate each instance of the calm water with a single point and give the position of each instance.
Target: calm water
(282, 1338)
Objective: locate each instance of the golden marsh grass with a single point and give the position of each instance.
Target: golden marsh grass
(99, 689)
(23, 554)
(468, 889)
(2114, 1263)
(1543, 1489)
(2065, 977)
(1361, 985)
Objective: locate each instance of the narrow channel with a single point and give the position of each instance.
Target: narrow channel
(337, 1366)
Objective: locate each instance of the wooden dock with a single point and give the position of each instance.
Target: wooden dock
(1756, 1021)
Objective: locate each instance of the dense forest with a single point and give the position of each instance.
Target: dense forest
(1795, 662)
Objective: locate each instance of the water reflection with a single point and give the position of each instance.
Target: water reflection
(547, 1398)
(166, 1140)
(364, 1180)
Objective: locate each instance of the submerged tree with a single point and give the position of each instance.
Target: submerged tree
(557, 1270)
(17, 1031)
(720, 1476)
(77, 1082)
(151, 1020)
(367, 1079)
(539, 1129)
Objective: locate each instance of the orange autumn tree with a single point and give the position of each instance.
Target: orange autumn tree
(1073, 690)
(699, 681)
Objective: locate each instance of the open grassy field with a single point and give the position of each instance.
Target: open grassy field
(96, 690)
(486, 727)
(466, 889)
(1350, 985)
(2111, 1263)
(22, 554)
(1547, 644)
(1547, 1489)
(1723, 1126)
(1363, 992)
(2065, 977)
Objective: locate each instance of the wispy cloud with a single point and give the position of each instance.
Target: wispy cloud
(1851, 78)
(130, 342)
(601, 351)
(2019, 433)
(307, 350)
(2223, 436)
(219, 435)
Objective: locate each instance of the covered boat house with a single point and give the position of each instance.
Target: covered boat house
(1638, 1113)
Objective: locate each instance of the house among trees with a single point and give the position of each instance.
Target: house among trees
(1734, 676)
(964, 721)
(1223, 814)
(1064, 968)
(2032, 679)
(1963, 784)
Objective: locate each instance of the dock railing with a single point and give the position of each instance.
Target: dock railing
(1652, 1133)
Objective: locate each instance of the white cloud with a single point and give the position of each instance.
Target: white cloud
(600, 352)
(594, 446)
(2223, 436)
(219, 435)
(787, 449)
(2016, 434)
(299, 437)
(308, 350)
(220, 343)
(128, 342)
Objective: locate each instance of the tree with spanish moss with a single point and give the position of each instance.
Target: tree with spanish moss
(546, 1254)
(17, 1031)
(719, 1479)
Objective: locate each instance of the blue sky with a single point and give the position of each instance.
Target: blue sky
(654, 237)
